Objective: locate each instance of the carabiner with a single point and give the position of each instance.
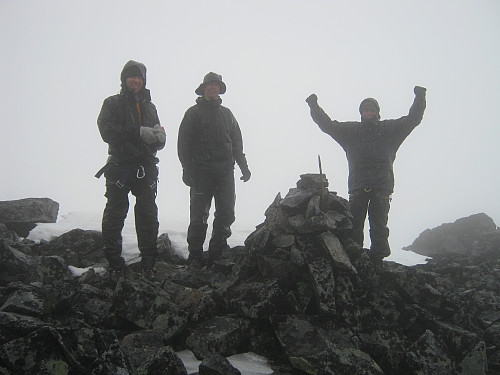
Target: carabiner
(140, 172)
(367, 189)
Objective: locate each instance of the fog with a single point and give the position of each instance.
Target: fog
(61, 59)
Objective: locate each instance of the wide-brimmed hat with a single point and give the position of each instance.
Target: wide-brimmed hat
(211, 77)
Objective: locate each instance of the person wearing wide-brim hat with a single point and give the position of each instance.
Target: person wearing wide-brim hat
(211, 78)
(209, 144)
(370, 147)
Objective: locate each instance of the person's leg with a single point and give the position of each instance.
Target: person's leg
(358, 205)
(200, 201)
(146, 222)
(113, 219)
(378, 215)
(224, 217)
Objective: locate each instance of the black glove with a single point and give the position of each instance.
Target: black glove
(312, 100)
(245, 174)
(418, 90)
(187, 177)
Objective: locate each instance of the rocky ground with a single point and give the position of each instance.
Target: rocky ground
(299, 292)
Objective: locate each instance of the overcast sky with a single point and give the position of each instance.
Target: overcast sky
(61, 59)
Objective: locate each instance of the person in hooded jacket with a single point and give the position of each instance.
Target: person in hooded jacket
(209, 144)
(370, 147)
(129, 124)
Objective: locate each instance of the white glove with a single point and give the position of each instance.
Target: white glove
(160, 134)
(148, 135)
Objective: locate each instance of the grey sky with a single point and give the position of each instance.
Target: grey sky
(61, 59)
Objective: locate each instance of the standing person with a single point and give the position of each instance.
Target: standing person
(129, 124)
(209, 144)
(370, 147)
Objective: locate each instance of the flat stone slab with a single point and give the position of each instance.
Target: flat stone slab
(37, 210)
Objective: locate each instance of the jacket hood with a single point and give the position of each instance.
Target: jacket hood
(133, 68)
(371, 105)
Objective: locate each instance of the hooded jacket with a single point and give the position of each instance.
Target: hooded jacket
(210, 138)
(371, 145)
(119, 122)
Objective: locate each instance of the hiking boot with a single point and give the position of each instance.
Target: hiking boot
(195, 259)
(215, 252)
(376, 258)
(125, 272)
(115, 261)
(114, 273)
(149, 274)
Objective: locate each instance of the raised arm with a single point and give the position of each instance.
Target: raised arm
(338, 131)
(400, 128)
(418, 107)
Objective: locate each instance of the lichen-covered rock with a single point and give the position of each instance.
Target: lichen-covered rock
(475, 363)
(428, 356)
(223, 335)
(148, 307)
(311, 350)
(217, 365)
(163, 361)
(256, 300)
(79, 248)
(14, 265)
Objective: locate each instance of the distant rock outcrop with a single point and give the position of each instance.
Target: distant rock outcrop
(300, 292)
(464, 237)
(22, 215)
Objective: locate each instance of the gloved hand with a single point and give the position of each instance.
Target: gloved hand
(418, 90)
(187, 177)
(160, 134)
(312, 100)
(148, 135)
(245, 174)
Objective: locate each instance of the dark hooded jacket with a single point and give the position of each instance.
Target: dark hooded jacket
(119, 123)
(210, 138)
(371, 145)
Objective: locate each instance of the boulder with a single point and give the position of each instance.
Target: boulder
(459, 237)
(217, 365)
(220, 335)
(22, 215)
(163, 361)
(79, 248)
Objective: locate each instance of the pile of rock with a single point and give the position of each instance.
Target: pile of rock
(300, 293)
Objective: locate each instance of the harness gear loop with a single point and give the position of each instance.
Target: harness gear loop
(140, 172)
(121, 182)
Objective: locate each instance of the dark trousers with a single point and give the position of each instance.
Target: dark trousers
(115, 212)
(207, 186)
(377, 205)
